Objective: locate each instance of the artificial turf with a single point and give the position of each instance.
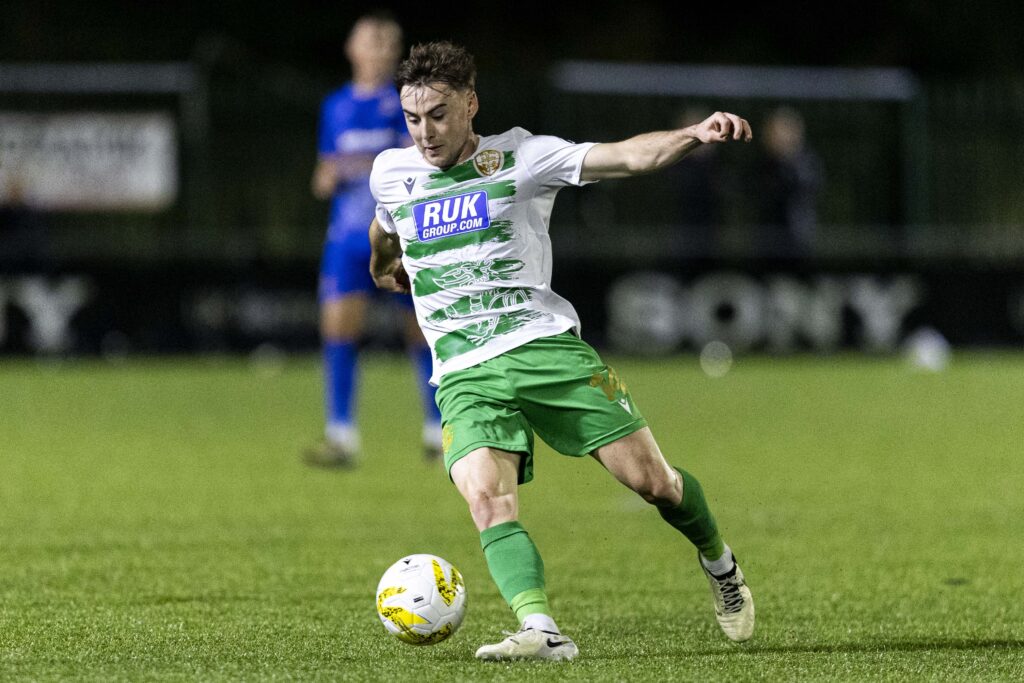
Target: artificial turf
(157, 524)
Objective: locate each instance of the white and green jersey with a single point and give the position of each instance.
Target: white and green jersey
(475, 242)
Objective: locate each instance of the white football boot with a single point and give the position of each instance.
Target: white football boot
(530, 643)
(734, 607)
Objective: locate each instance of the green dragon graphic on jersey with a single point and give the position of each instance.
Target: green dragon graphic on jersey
(431, 280)
(474, 304)
(476, 335)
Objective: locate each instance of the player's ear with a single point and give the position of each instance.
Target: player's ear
(474, 104)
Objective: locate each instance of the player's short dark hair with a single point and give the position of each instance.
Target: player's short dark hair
(437, 62)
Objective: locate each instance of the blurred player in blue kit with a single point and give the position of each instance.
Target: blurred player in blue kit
(357, 122)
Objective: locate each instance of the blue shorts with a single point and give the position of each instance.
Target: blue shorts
(345, 269)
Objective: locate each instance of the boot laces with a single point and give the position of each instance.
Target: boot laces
(732, 599)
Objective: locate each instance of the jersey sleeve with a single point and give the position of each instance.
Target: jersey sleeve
(554, 162)
(385, 221)
(387, 224)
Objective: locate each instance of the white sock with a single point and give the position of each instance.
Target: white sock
(541, 622)
(720, 566)
(344, 435)
(432, 434)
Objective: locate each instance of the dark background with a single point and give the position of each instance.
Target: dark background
(245, 215)
(266, 66)
(933, 38)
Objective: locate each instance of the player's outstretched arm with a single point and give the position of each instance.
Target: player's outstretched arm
(653, 151)
(386, 267)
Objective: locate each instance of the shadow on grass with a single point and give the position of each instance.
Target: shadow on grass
(922, 645)
(874, 647)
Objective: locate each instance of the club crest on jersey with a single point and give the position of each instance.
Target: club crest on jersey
(448, 216)
(488, 161)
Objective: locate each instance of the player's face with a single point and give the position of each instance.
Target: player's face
(440, 122)
(374, 48)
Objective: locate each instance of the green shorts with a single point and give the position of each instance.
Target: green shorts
(555, 386)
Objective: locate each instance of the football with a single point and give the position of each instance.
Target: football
(421, 599)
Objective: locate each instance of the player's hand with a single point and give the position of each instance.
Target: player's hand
(393, 279)
(722, 127)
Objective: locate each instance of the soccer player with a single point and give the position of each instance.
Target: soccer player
(462, 222)
(357, 122)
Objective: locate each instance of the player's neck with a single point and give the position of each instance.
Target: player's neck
(467, 149)
(364, 85)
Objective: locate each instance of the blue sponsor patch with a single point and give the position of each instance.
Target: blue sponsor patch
(451, 216)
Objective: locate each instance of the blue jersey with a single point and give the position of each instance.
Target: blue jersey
(364, 125)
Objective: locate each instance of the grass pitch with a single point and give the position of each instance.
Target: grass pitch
(157, 525)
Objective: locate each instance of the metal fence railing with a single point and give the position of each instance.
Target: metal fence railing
(244, 179)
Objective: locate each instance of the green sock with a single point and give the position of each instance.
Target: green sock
(532, 601)
(694, 520)
(516, 568)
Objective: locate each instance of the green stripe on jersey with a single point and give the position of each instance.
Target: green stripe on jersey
(432, 280)
(476, 335)
(474, 304)
(500, 231)
(463, 172)
(496, 190)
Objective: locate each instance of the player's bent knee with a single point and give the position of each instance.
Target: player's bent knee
(488, 510)
(662, 491)
(486, 478)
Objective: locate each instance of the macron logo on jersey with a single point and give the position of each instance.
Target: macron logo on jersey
(451, 216)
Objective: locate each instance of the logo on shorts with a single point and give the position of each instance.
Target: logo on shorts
(488, 161)
(610, 384)
(624, 402)
(451, 216)
(447, 436)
